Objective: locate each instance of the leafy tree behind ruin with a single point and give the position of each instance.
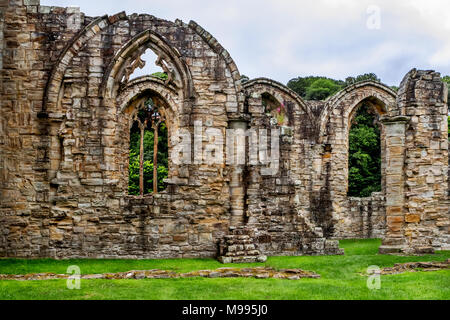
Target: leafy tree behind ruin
(362, 77)
(315, 88)
(320, 88)
(364, 168)
(133, 186)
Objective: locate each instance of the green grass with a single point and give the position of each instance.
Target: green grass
(340, 278)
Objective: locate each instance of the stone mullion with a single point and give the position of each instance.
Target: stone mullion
(142, 126)
(155, 127)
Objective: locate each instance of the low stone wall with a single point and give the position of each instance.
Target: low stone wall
(366, 218)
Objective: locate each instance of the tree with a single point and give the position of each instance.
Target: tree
(364, 175)
(315, 88)
(162, 157)
(362, 77)
(160, 75)
(322, 89)
(300, 85)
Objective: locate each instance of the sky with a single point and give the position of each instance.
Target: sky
(284, 39)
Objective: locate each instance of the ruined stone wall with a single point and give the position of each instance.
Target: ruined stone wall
(418, 211)
(414, 152)
(279, 205)
(66, 106)
(64, 186)
(65, 159)
(366, 217)
(26, 64)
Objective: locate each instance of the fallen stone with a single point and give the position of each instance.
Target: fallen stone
(257, 272)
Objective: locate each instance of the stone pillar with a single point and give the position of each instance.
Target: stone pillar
(417, 208)
(395, 133)
(426, 212)
(237, 190)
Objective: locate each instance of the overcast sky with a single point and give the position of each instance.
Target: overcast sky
(283, 39)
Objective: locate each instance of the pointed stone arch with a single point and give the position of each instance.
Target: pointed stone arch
(142, 86)
(55, 80)
(169, 59)
(170, 103)
(177, 92)
(130, 101)
(334, 126)
(261, 85)
(343, 104)
(214, 44)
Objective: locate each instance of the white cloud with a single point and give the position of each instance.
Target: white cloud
(282, 39)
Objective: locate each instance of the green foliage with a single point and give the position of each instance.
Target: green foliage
(364, 175)
(301, 86)
(362, 77)
(322, 89)
(160, 75)
(395, 88)
(163, 163)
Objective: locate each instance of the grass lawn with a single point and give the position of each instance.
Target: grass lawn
(340, 278)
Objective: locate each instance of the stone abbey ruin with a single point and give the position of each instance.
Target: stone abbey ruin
(67, 103)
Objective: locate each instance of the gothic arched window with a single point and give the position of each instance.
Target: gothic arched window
(148, 165)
